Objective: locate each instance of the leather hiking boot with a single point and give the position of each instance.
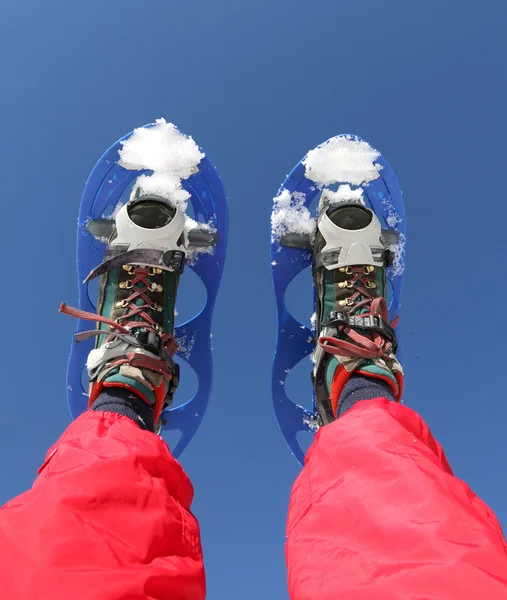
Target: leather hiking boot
(350, 258)
(135, 310)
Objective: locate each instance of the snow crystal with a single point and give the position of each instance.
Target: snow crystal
(313, 321)
(290, 215)
(342, 159)
(399, 259)
(273, 263)
(185, 346)
(393, 218)
(192, 253)
(343, 194)
(311, 421)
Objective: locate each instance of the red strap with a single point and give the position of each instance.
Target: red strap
(88, 316)
(340, 378)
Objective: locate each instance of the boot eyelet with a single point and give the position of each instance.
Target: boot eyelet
(347, 302)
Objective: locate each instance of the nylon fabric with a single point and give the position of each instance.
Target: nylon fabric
(376, 513)
(108, 518)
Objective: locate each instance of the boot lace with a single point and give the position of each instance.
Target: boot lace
(135, 317)
(351, 343)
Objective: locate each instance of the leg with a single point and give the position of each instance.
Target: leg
(109, 515)
(376, 512)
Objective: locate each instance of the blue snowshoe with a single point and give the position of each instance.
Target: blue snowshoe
(341, 212)
(153, 205)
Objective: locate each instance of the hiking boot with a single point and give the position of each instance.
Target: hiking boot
(135, 309)
(350, 258)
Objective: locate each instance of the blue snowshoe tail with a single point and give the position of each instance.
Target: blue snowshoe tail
(106, 189)
(291, 253)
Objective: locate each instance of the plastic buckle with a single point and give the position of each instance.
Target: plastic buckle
(149, 341)
(173, 384)
(175, 260)
(367, 323)
(389, 258)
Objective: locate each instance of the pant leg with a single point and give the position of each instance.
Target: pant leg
(376, 513)
(108, 518)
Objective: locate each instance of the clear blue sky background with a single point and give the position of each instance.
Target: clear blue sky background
(257, 85)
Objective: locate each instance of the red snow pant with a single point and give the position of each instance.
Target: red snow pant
(375, 514)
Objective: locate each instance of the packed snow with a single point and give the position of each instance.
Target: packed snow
(290, 215)
(343, 194)
(161, 148)
(95, 356)
(342, 160)
(171, 155)
(164, 185)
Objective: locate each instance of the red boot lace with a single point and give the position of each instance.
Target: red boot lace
(361, 302)
(135, 317)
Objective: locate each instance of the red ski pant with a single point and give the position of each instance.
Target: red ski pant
(375, 514)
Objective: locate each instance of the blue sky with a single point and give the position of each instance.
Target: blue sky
(257, 85)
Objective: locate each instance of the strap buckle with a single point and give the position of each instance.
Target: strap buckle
(175, 260)
(363, 323)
